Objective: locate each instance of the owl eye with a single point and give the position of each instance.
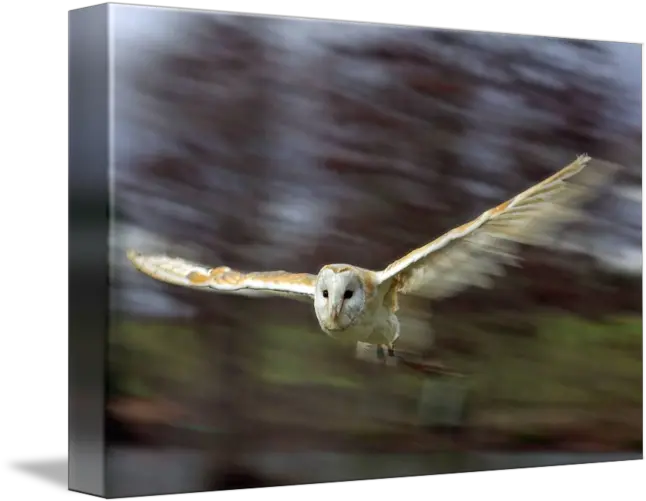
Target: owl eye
(347, 294)
(325, 293)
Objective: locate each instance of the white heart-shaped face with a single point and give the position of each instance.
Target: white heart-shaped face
(339, 297)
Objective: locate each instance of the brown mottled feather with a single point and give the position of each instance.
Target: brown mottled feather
(184, 273)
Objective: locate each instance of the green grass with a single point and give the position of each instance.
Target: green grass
(145, 355)
(567, 361)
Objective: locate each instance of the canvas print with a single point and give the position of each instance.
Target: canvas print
(308, 251)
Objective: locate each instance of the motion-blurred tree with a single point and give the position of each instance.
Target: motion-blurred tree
(211, 103)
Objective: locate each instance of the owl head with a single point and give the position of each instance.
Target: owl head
(339, 297)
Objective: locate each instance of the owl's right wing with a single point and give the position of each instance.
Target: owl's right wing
(223, 279)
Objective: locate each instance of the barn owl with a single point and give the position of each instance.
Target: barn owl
(360, 305)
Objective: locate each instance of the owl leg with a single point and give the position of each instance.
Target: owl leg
(380, 353)
(391, 345)
(391, 360)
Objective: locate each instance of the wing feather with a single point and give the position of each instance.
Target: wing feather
(223, 279)
(473, 253)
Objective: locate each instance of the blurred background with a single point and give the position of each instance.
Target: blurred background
(265, 143)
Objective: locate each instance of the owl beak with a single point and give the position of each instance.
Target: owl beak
(336, 311)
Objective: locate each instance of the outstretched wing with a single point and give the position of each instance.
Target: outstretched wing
(185, 273)
(474, 252)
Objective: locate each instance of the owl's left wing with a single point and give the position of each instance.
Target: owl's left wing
(474, 252)
(184, 273)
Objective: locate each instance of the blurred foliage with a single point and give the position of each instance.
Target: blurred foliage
(571, 351)
(568, 366)
(385, 142)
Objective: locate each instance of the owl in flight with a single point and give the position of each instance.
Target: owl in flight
(360, 305)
